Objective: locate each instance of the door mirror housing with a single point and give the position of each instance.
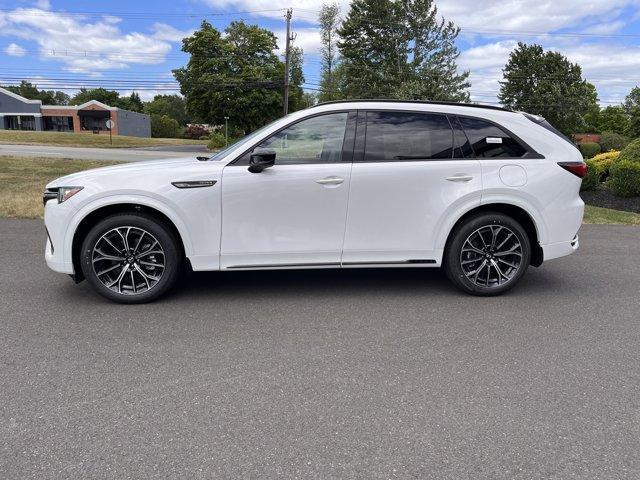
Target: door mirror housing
(261, 158)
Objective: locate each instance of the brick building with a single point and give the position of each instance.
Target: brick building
(19, 113)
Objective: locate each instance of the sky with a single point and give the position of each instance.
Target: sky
(124, 45)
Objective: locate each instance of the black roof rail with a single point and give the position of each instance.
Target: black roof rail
(426, 102)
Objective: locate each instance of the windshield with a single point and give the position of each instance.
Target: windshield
(224, 152)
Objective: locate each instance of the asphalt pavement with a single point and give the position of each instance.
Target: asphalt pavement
(324, 374)
(115, 154)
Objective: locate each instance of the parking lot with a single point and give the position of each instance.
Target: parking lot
(324, 374)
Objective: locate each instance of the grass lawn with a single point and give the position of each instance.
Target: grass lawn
(23, 179)
(87, 140)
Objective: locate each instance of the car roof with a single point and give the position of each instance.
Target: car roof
(419, 102)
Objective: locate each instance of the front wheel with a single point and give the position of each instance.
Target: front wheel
(130, 258)
(487, 254)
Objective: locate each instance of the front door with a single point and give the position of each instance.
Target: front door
(293, 213)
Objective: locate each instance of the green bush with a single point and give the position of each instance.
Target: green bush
(631, 152)
(589, 149)
(625, 178)
(592, 178)
(216, 141)
(164, 127)
(613, 141)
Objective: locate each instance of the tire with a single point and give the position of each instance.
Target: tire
(147, 270)
(482, 245)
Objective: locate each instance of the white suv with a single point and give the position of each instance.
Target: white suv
(481, 191)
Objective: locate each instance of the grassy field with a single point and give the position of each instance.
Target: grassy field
(87, 140)
(23, 179)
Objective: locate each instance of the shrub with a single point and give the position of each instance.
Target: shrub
(625, 178)
(217, 141)
(613, 141)
(195, 131)
(602, 163)
(631, 152)
(592, 178)
(164, 127)
(589, 149)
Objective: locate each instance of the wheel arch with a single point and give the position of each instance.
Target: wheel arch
(89, 219)
(517, 213)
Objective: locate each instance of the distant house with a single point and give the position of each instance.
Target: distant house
(19, 113)
(586, 137)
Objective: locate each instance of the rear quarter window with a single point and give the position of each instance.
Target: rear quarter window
(490, 141)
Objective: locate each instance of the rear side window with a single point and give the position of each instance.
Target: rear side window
(490, 141)
(396, 136)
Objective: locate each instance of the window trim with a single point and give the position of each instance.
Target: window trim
(347, 150)
(361, 134)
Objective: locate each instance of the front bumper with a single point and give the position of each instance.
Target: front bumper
(57, 251)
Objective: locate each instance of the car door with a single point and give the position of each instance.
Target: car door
(293, 213)
(409, 175)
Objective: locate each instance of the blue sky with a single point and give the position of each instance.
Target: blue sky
(133, 46)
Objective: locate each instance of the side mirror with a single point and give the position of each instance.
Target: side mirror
(261, 158)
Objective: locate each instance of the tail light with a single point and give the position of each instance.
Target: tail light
(579, 169)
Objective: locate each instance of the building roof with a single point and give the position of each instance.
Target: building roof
(18, 97)
(81, 107)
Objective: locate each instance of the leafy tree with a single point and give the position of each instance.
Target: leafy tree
(547, 84)
(164, 127)
(613, 119)
(172, 106)
(132, 102)
(413, 55)
(632, 100)
(296, 80)
(235, 75)
(30, 91)
(632, 105)
(329, 19)
(108, 97)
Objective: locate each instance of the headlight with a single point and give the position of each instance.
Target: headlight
(65, 193)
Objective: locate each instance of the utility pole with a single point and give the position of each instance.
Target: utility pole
(287, 54)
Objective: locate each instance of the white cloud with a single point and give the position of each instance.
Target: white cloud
(306, 38)
(88, 46)
(605, 28)
(15, 50)
(170, 34)
(43, 4)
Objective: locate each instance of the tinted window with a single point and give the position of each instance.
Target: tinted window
(314, 140)
(461, 145)
(489, 141)
(407, 136)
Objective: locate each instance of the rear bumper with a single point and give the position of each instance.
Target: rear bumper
(560, 249)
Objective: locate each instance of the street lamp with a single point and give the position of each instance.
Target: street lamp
(226, 132)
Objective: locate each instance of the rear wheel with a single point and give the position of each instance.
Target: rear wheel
(487, 254)
(130, 258)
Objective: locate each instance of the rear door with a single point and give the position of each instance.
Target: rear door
(409, 173)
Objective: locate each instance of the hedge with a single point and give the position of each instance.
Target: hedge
(164, 127)
(613, 141)
(631, 152)
(592, 178)
(589, 149)
(602, 163)
(625, 178)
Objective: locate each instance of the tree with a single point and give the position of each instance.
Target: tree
(547, 84)
(172, 106)
(132, 102)
(108, 97)
(632, 105)
(411, 56)
(164, 127)
(237, 75)
(632, 100)
(613, 119)
(30, 91)
(329, 19)
(296, 80)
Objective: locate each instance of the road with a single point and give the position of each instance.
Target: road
(324, 374)
(116, 154)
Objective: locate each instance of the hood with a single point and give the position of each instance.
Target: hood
(77, 179)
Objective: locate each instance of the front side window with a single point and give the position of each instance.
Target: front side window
(314, 140)
(490, 141)
(394, 136)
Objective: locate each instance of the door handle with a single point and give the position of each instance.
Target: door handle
(330, 181)
(460, 177)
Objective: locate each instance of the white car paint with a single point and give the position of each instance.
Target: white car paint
(287, 217)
